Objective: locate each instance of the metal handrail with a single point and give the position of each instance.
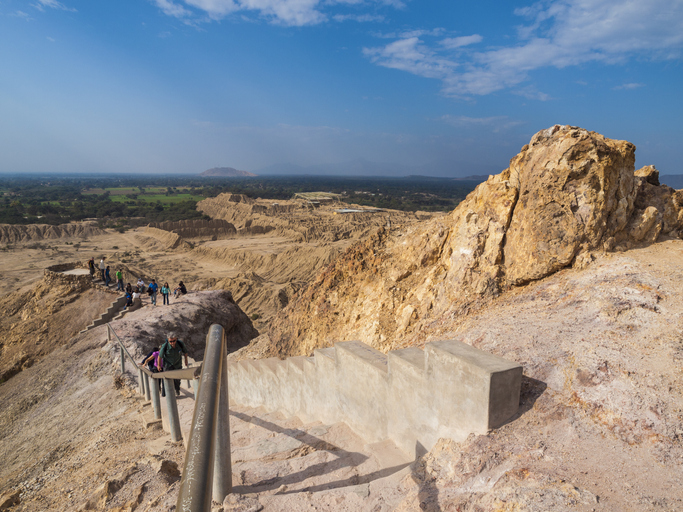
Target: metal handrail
(207, 473)
(151, 392)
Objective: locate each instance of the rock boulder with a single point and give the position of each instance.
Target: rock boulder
(568, 193)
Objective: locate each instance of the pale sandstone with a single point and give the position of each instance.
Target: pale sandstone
(567, 194)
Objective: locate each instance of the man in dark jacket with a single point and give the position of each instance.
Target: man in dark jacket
(171, 357)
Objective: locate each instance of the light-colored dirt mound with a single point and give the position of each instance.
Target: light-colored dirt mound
(189, 318)
(155, 239)
(569, 193)
(12, 233)
(65, 430)
(301, 221)
(36, 322)
(198, 228)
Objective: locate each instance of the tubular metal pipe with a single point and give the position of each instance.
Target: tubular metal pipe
(195, 387)
(222, 469)
(142, 381)
(147, 392)
(197, 483)
(156, 401)
(123, 360)
(172, 408)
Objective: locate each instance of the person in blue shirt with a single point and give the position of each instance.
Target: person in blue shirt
(152, 289)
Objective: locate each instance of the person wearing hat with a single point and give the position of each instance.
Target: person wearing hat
(171, 357)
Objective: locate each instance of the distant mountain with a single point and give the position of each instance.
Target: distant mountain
(226, 171)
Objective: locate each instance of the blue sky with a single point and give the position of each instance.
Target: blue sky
(441, 87)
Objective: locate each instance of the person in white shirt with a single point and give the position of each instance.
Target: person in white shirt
(141, 285)
(137, 301)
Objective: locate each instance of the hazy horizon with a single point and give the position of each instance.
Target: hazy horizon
(181, 86)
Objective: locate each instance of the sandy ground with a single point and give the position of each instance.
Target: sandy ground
(600, 424)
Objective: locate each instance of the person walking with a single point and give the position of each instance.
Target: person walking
(151, 360)
(102, 268)
(119, 280)
(107, 276)
(165, 291)
(91, 267)
(171, 356)
(153, 289)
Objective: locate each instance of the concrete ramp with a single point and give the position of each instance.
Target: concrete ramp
(410, 396)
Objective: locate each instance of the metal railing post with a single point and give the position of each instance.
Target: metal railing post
(156, 401)
(146, 379)
(195, 387)
(172, 408)
(142, 381)
(222, 468)
(123, 361)
(196, 485)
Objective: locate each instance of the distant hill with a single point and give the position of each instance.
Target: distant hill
(226, 171)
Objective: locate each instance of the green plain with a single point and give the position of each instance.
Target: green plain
(153, 198)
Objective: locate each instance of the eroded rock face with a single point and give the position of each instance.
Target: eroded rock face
(567, 194)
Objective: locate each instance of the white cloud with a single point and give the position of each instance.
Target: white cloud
(494, 123)
(412, 56)
(171, 9)
(458, 42)
(628, 87)
(282, 12)
(360, 18)
(561, 33)
(21, 14)
(52, 4)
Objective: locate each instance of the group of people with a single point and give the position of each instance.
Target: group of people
(153, 291)
(105, 273)
(132, 294)
(168, 357)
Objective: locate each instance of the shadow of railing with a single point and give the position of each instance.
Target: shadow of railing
(344, 459)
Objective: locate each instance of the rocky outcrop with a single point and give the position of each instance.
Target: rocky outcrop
(567, 194)
(12, 233)
(299, 220)
(158, 239)
(196, 228)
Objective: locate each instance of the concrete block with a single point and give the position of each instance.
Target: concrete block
(410, 396)
(412, 422)
(269, 384)
(309, 392)
(324, 393)
(362, 383)
(460, 380)
(250, 389)
(292, 381)
(237, 380)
